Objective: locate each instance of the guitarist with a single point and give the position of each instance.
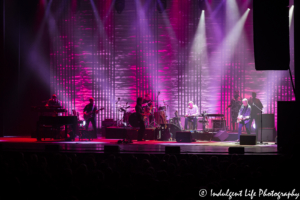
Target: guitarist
(244, 117)
(140, 117)
(89, 112)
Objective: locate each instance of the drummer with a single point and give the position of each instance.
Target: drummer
(191, 115)
(147, 99)
(148, 108)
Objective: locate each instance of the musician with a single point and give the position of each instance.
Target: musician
(255, 112)
(191, 114)
(90, 108)
(234, 106)
(140, 117)
(148, 108)
(244, 117)
(147, 99)
(151, 112)
(53, 101)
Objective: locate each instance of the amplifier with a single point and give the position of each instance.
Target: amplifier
(105, 124)
(268, 134)
(108, 123)
(248, 139)
(185, 136)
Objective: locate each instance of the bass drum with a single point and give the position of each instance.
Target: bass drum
(133, 121)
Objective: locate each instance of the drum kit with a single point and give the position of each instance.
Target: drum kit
(154, 116)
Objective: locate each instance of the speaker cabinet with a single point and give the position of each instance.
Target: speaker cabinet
(248, 139)
(220, 136)
(185, 136)
(173, 128)
(287, 132)
(268, 134)
(271, 34)
(268, 121)
(106, 124)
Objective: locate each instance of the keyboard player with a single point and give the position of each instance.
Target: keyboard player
(191, 115)
(54, 104)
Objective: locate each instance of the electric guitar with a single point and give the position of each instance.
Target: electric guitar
(240, 118)
(88, 115)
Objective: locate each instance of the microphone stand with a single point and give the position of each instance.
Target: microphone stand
(261, 142)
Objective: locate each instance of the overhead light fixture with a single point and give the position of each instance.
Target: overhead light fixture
(161, 5)
(202, 4)
(119, 6)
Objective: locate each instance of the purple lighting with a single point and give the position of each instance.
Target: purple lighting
(184, 52)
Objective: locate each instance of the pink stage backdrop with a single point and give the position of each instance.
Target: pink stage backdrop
(193, 50)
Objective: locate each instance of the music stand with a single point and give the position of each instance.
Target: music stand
(261, 142)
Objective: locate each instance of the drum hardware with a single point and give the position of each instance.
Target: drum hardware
(122, 120)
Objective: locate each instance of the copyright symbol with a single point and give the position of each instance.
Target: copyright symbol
(202, 192)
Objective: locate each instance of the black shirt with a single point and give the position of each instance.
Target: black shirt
(89, 108)
(139, 112)
(53, 102)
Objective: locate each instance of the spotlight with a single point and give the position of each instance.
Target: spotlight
(119, 6)
(201, 4)
(161, 5)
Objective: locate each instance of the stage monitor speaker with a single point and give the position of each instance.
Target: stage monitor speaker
(220, 135)
(185, 136)
(172, 150)
(173, 128)
(111, 149)
(248, 139)
(237, 150)
(271, 34)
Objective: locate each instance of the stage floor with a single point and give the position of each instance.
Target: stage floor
(151, 147)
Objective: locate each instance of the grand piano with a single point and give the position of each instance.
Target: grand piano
(53, 119)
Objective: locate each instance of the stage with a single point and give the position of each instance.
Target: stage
(27, 144)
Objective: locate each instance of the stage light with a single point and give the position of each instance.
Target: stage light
(161, 5)
(119, 6)
(202, 4)
(291, 12)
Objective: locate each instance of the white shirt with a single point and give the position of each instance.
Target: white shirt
(193, 111)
